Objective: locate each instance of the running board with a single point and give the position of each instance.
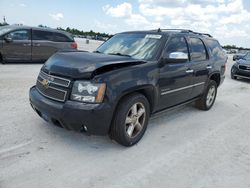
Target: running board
(158, 113)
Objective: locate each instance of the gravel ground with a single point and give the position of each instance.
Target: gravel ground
(181, 148)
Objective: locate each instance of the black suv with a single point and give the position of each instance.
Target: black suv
(128, 78)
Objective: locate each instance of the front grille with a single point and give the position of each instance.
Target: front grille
(55, 79)
(245, 68)
(52, 87)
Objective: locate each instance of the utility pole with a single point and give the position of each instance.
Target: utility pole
(4, 20)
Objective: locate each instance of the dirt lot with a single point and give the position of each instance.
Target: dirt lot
(181, 148)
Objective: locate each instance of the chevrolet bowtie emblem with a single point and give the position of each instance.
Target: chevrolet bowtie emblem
(45, 83)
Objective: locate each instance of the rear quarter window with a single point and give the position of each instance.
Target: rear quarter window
(215, 48)
(59, 37)
(42, 35)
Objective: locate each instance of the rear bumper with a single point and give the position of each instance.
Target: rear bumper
(73, 115)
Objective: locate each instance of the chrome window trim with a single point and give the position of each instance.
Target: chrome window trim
(182, 88)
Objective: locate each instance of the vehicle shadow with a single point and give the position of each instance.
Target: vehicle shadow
(22, 63)
(83, 141)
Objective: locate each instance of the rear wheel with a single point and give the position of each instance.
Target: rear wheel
(131, 119)
(1, 59)
(208, 98)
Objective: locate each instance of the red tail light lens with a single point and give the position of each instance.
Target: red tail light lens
(73, 45)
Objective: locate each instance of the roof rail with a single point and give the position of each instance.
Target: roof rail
(180, 30)
(184, 31)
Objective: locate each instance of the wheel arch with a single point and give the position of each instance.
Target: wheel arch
(147, 90)
(216, 77)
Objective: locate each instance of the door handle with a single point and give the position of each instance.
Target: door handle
(209, 67)
(189, 71)
(36, 44)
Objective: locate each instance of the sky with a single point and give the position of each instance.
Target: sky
(226, 20)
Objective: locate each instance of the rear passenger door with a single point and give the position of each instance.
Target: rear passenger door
(43, 45)
(199, 64)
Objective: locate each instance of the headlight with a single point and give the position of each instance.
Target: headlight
(85, 91)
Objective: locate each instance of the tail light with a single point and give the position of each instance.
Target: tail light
(73, 45)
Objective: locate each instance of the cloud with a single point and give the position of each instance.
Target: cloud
(122, 10)
(223, 19)
(57, 16)
(22, 5)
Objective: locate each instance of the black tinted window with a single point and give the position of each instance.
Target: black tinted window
(215, 48)
(42, 35)
(198, 51)
(177, 44)
(19, 35)
(59, 37)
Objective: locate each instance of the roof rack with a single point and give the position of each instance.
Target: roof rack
(183, 31)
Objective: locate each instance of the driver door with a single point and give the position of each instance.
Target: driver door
(175, 77)
(17, 46)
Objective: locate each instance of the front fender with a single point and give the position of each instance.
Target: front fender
(121, 82)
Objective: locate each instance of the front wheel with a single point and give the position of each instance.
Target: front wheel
(131, 119)
(208, 98)
(233, 71)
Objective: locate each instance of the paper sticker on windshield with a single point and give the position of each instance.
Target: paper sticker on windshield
(153, 36)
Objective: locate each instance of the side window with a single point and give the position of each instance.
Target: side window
(198, 51)
(19, 35)
(59, 37)
(215, 48)
(176, 44)
(42, 35)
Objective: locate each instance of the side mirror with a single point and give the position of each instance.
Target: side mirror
(176, 57)
(8, 39)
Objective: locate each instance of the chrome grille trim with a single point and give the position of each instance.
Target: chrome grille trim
(50, 96)
(52, 78)
(56, 89)
(246, 68)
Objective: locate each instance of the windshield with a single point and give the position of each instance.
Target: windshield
(137, 45)
(247, 57)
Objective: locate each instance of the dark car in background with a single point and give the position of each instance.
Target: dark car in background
(32, 44)
(238, 56)
(241, 69)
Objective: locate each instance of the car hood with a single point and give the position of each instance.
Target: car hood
(80, 64)
(243, 62)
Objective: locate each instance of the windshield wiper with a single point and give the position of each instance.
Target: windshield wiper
(119, 54)
(97, 52)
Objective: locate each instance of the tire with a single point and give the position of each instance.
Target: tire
(1, 59)
(233, 77)
(233, 73)
(208, 98)
(130, 120)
